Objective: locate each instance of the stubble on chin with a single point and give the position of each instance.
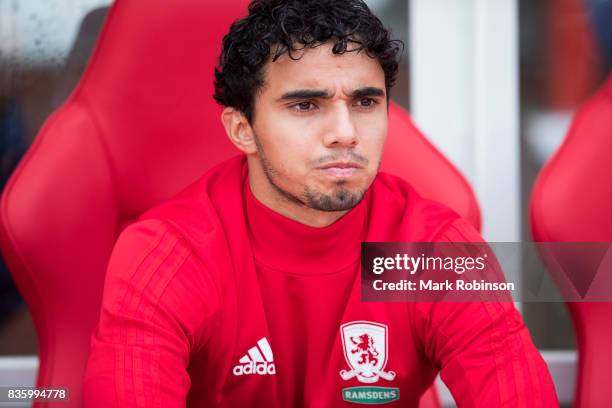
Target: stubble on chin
(341, 199)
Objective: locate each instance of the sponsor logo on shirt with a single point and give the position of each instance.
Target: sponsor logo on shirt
(259, 360)
(370, 395)
(365, 351)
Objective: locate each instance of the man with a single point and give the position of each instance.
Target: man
(240, 291)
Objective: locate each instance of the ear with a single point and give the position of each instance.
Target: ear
(239, 130)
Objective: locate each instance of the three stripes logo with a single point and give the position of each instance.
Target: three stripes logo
(259, 360)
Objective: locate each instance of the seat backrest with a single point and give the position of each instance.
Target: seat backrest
(572, 202)
(139, 127)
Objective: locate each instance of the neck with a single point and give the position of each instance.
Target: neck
(269, 196)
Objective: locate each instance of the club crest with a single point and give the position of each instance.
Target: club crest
(365, 351)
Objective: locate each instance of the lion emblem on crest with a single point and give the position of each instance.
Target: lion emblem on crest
(365, 346)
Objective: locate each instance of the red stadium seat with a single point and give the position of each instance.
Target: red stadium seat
(145, 94)
(572, 202)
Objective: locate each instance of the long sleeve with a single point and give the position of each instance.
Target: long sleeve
(484, 350)
(155, 307)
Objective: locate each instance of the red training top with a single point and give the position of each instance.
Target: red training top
(214, 300)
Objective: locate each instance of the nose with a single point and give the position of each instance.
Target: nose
(340, 130)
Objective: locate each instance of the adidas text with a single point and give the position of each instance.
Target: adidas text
(262, 368)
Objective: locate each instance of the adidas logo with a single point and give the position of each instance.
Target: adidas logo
(259, 360)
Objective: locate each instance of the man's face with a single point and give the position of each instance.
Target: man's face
(320, 124)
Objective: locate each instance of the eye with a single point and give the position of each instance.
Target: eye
(303, 106)
(366, 102)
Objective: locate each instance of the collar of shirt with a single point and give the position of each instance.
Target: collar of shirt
(286, 245)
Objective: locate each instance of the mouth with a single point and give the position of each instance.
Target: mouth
(341, 169)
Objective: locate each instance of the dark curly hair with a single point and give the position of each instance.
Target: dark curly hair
(291, 25)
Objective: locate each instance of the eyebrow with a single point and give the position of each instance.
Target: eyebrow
(320, 93)
(367, 91)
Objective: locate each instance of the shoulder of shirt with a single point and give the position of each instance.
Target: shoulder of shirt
(191, 213)
(442, 222)
(189, 224)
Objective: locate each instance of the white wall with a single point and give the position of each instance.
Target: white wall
(464, 96)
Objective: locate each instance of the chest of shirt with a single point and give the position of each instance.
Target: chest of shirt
(309, 341)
